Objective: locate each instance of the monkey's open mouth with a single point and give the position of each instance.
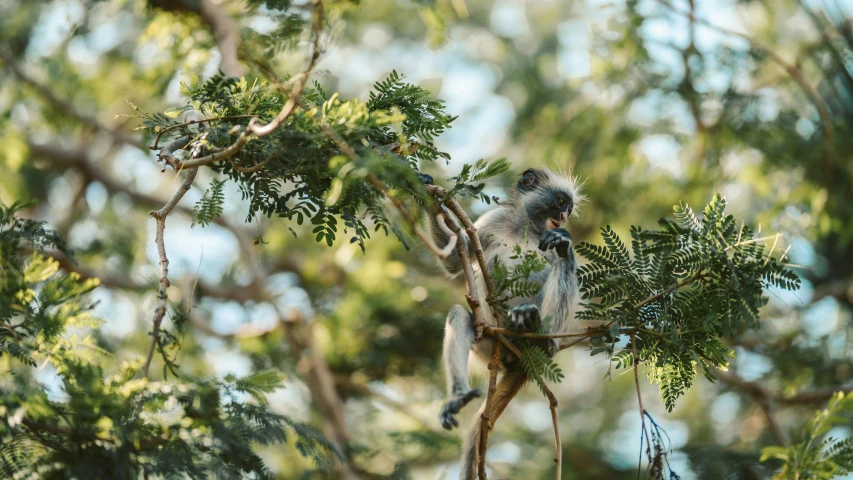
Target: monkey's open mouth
(553, 223)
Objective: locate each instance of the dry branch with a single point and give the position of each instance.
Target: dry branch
(558, 442)
(486, 417)
(160, 217)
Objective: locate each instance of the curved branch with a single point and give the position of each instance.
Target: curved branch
(451, 242)
(253, 128)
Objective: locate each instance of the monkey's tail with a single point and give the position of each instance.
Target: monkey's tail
(507, 388)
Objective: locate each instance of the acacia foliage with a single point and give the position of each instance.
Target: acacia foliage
(111, 423)
(679, 290)
(306, 174)
(818, 455)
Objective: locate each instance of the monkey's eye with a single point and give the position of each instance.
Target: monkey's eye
(561, 199)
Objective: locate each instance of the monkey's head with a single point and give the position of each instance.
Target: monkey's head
(548, 198)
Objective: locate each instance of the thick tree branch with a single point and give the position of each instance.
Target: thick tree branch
(841, 290)
(486, 416)
(318, 376)
(227, 35)
(78, 159)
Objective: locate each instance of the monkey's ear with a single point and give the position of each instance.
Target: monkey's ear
(527, 181)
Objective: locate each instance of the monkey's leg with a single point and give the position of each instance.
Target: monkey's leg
(507, 388)
(458, 339)
(526, 318)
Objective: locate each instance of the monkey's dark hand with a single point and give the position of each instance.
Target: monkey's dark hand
(425, 179)
(452, 407)
(551, 348)
(558, 239)
(525, 318)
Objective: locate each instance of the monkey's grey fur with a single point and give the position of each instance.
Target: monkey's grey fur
(539, 205)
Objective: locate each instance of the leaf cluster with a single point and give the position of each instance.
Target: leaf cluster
(678, 291)
(209, 206)
(514, 280)
(307, 174)
(818, 456)
(480, 170)
(108, 422)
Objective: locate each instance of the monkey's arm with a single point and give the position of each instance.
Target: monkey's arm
(560, 291)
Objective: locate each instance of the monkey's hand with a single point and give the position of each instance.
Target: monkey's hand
(558, 239)
(454, 405)
(425, 179)
(525, 318)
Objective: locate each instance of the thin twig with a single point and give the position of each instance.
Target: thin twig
(193, 122)
(486, 417)
(160, 217)
(639, 396)
(698, 275)
(685, 282)
(558, 443)
(254, 168)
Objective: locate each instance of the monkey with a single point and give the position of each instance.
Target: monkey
(532, 217)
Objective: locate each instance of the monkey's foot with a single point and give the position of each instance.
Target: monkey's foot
(557, 238)
(551, 347)
(425, 179)
(525, 318)
(454, 405)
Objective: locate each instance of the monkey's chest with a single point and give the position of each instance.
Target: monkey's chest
(513, 285)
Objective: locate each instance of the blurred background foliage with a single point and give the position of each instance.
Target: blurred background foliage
(648, 101)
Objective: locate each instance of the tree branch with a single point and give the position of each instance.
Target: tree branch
(65, 107)
(804, 398)
(486, 416)
(558, 443)
(160, 217)
(253, 128)
(227, 35)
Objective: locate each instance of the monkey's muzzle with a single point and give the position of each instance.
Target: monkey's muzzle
(553, 223)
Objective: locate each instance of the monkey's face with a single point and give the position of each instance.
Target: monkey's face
(546, 203)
